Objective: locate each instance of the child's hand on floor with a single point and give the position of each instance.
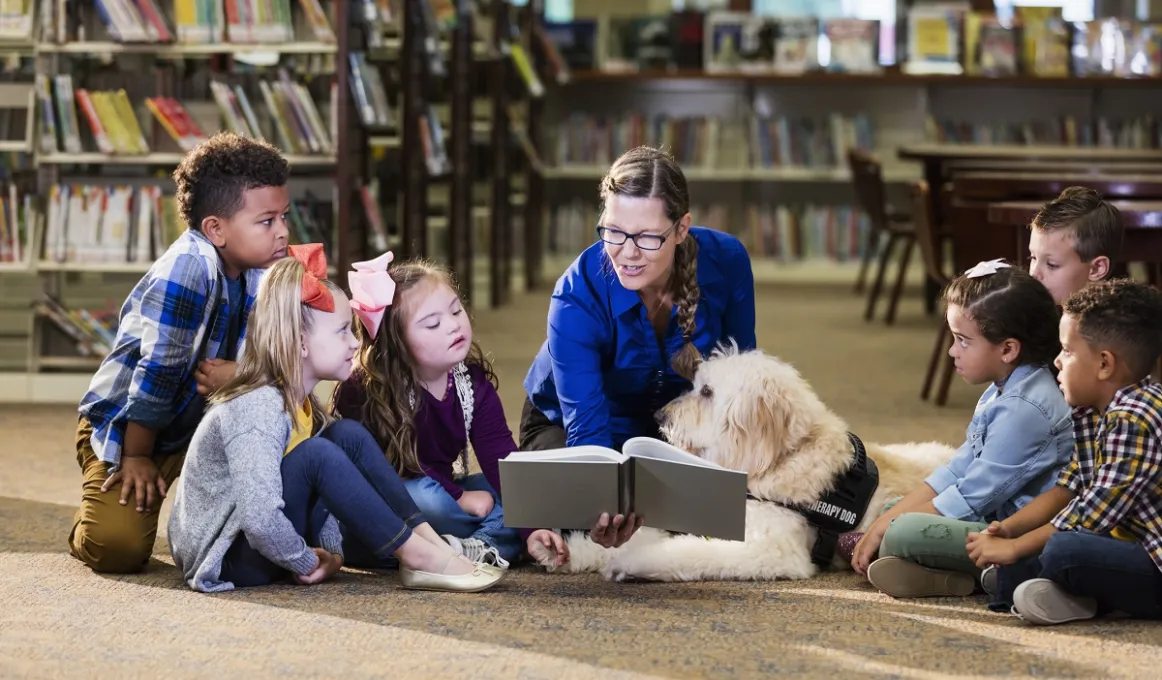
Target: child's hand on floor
(213, 373)
(140, 477)
(475, 503)
(868, 547)
(985, 549)
(329, 565)
(547, 548)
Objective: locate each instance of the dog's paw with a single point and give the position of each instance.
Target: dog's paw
(622, 571)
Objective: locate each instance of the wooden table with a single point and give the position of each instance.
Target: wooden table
(1142, 219)
(937, 158)
(1045, 185)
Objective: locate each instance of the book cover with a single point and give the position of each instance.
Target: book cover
(671, 489)
(853, 45)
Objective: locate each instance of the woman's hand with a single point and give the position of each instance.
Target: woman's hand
(544, 544)
(611, 534)
(868, 547)
(476, 503)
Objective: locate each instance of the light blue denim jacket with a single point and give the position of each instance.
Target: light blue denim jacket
(1016, 445)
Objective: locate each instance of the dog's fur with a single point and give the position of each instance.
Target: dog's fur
(752, 412)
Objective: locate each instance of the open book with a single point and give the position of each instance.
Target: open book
(672, 490)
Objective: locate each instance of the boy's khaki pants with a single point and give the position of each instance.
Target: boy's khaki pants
(109, 537)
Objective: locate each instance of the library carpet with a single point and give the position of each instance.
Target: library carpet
(59, 620)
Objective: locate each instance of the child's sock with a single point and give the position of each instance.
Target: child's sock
(477, 550)
(845, 546)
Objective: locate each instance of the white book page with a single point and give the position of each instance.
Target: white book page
(576, 454)
(648, 447)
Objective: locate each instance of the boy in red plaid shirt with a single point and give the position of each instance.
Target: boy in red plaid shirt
(1093, 543)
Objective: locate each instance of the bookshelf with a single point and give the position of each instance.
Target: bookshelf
(761, 144)
(90, 131)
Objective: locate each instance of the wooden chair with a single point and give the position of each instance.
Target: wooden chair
(868, 181)
(929, 241)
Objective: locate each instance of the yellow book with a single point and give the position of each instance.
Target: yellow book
(111, 121)
(129, 118)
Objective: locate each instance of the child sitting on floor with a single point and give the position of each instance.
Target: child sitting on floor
(425, 390)
(1074, 241)
(266, 477)
(1093, 543)
(1004, 334)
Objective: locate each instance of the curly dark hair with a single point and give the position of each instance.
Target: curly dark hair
(1096, 224)
(1123, 316)
(1010, 304)
(213, 176)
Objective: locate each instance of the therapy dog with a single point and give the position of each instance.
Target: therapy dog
(752, 412)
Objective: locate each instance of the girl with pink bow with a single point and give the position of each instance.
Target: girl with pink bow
(426, 392)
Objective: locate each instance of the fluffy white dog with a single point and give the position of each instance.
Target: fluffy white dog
(752, 412)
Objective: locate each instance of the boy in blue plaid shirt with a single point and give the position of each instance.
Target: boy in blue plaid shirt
(1093, 543)
(177, 338)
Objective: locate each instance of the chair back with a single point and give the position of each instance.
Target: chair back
(867, 177)
(926, 237)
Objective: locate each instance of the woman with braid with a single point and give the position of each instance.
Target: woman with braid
(630, 320)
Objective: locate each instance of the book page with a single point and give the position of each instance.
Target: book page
(578, 454)
(648, 447)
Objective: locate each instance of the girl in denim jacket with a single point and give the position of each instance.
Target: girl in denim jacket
(1004, 329)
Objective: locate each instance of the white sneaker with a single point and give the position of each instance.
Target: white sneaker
(1043, 602)
(476, 550)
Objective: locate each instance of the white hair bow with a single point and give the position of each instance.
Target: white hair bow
(986, 268)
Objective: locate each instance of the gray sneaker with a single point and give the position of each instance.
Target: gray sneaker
(899, 577)
(1043, 602)
(477, 550)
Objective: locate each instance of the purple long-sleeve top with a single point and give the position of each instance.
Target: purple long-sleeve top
(440, 435)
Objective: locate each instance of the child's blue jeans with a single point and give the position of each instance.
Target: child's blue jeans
(344, 471)
(1119, 574)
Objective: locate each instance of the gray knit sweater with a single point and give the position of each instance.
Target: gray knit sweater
(231, 483)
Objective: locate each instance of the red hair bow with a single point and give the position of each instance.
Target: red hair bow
(315, 294)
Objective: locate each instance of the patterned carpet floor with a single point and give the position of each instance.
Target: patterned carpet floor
(58, 620)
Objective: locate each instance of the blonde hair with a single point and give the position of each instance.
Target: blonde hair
(273, 351)
(646, 172)
(388, 369)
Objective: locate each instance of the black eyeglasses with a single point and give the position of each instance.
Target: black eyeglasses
(644, 241)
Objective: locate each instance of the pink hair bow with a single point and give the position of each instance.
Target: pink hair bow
(372, 291)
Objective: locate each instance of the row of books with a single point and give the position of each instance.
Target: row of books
(186, 21)
(92, 331)
(598, 140)
(369, 94)
(712, 142)
(111, 224)
(1033, 41)
(787, 233)
(718, 41)
(16, 214)
(808, 141)
(114, 127)
(1143, 132)
(945, 37)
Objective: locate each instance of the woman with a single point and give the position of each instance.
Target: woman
(630, 320)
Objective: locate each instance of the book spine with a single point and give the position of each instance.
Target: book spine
(625, 476)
